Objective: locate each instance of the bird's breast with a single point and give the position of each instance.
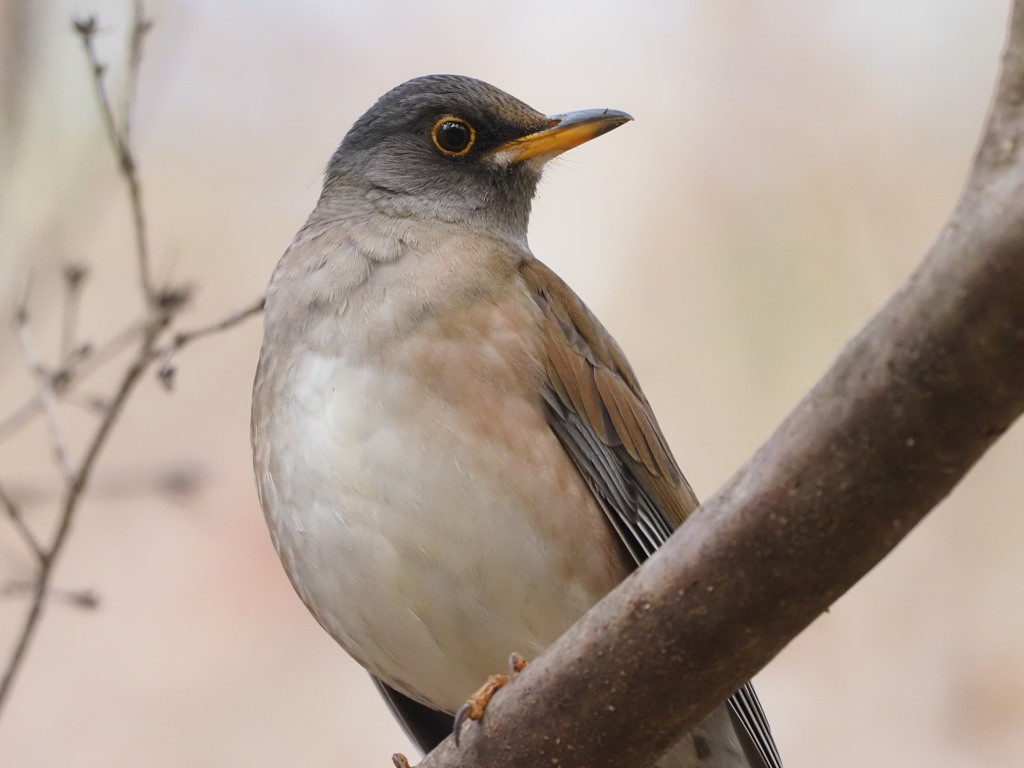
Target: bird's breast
(424, 511)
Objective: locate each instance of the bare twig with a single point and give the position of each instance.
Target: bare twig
(140, 28)
(161, 309)
(119, 134)
(183, 338)
(86, 599)
(14, 515)
(177, 481)
(72, 496)
(74, 277)
(93, 403)
(47, 396)
(20, 415)
(86, 359)
(83, 360)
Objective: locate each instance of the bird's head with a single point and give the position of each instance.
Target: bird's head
(457, 149)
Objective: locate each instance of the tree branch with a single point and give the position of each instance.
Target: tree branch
(912, 402)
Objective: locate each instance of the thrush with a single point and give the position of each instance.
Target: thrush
(454, 457)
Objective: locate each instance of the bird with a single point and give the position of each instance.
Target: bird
(453, 456)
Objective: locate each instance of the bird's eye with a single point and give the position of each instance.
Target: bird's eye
(453, 136)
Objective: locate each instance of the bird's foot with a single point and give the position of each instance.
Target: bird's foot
(475, 705)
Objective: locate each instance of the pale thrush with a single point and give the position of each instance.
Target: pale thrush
(454, 457)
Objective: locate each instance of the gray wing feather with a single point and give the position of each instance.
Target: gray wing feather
(642, 528)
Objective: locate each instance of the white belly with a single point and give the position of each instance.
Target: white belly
(417, 523)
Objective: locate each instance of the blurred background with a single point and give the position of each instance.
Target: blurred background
(790, 163)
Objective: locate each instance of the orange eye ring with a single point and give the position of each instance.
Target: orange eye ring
(453, 136)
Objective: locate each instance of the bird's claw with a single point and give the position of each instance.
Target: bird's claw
(476, 704)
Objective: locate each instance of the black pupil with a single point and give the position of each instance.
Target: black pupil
(453, 136)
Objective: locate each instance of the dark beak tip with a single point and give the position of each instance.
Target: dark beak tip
(612, 118)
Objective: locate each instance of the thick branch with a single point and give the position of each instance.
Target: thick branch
(912, 402)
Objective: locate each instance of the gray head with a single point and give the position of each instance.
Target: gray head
(456, 149)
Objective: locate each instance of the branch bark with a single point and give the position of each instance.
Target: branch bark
(912, 402)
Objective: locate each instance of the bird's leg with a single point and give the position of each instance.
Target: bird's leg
(475, 705)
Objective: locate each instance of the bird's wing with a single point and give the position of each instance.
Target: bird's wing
(424, 726)
(600, 415)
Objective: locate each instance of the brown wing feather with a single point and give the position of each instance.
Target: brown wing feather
(600, 414)
(590, 376)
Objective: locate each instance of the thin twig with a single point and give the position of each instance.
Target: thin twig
(183, 338)
(47, 395)
(95, 358)
(85, 599)
(173, 480)
(20, 415)
(140, 27)
(86, 359)
(83, 360)
(73, 494)
(162, 306)
(14, 515)
(119, 135)
(86, 401)
(74, 277)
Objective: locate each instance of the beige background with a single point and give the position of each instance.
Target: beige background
(789, 164)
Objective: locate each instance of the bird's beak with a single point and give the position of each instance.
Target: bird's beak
(564, 132)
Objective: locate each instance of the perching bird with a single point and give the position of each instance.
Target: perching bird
(454, 457)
